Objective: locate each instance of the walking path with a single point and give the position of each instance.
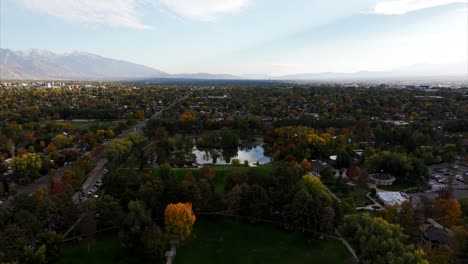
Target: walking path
(326, 188)
(375, 206)
(347, 245)
(170, 255)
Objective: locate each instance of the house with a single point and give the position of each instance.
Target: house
(436, 236)
(381, 179)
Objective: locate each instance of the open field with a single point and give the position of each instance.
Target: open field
(220, 171)
(81, 125)
(222, 240)
(400, 187)
(354, 195)
(106, 251)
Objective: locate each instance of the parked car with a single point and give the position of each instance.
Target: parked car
(443, 180)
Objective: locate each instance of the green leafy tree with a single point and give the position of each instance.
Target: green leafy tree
(27, 165)
(12, 241)
(377, 241)
(53, 243)
(34, 257)
(153, 241)
(134, 224)
(109, 210)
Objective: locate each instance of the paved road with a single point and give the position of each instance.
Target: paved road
(97, 173)
(38, 183)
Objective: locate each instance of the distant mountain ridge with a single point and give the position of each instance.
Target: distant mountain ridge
(43, 64)
(457, 71)
(46, 65)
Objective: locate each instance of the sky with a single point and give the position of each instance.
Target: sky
(245, 36)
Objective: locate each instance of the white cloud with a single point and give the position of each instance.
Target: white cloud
(203, 9)
(118, 13)
(399, 7)
(128, 13)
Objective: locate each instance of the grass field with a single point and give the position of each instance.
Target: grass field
(400, 187)
(106, 251)
(220, 171)
(354, 195)
(84, 125)
(222, 240)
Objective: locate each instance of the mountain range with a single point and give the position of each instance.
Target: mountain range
(46, 65)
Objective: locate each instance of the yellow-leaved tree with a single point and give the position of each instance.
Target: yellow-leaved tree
(179, 219)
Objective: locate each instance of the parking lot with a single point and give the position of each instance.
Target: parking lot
(440, 176)
(92, 184)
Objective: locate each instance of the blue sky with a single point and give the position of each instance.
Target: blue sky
(245, 36)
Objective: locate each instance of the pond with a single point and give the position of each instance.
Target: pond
(224, 156)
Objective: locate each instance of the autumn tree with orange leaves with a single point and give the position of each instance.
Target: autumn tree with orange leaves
(179, 219)
(449, 210)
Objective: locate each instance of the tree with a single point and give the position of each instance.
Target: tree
(306, 165)
(53, 243)
(88, 223)
(461, 235)
(442, 254)
(353, 172)
(27, 165)
(449, 211)
(312, 207)
(109, 210)
(137, 219)
(398, 214)
(178, 220)
(40, 193)
(165, 172)
(464, 205)
(207, 172)
(404, 167)
(27, 221)
(150, 192)
(362, 130)
(153, 241)
(377, 241)
(34, 257)
(450, 157)
(425, 207)
(235, 162)
(140, 115)
(239, 199)
(12, 241)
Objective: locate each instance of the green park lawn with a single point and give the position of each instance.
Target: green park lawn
(400, 187)
(354, 195)
(86, 125)
(220, 171)
(222, 240)
(106, 251)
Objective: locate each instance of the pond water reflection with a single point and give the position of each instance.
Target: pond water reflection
(225, 156)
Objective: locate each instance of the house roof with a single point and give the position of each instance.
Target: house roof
(391, 198)
(436, 234)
